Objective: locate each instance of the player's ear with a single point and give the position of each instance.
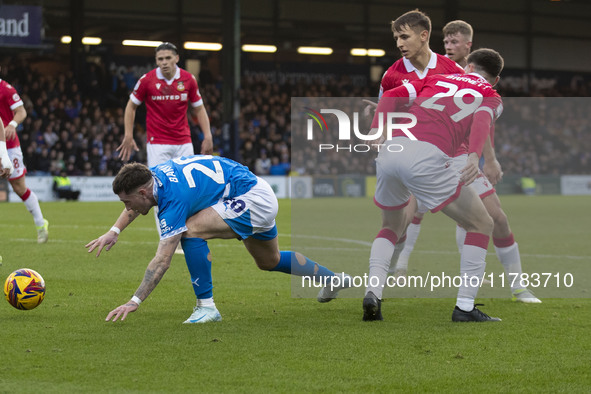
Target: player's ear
(496, 81)
(425, 35)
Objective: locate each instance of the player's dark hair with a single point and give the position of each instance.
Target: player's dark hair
(458, 26)
(412, 19)
(130, 177)
(167, 46)
(487, 60)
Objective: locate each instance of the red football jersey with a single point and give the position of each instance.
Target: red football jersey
(444, 106)
(9, 100)
(402, 71)
(167, 103)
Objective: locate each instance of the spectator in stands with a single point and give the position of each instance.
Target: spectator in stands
(528, 185)
(62, 186)
(262, 165)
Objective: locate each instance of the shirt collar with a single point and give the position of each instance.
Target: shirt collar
(177, 75)
(410, 68)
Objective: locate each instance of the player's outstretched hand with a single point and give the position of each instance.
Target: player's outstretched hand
(127, 147)
(108, 239)
(492, 171)
(470, 171)
(207, 146)
(122, 311)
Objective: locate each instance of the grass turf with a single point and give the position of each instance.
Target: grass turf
(269, 340)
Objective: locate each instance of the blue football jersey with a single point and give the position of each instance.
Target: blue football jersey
(186, 185)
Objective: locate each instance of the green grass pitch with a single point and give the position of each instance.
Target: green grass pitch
(273, 337)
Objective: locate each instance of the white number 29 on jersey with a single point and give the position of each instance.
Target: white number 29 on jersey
(465, 109)
(217, 175)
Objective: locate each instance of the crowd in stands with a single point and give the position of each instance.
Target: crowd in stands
(77, 127)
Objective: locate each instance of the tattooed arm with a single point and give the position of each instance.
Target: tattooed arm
(109, 239)
(154, 272)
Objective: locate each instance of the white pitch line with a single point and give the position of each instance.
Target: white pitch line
(326, 248)
(368, 244)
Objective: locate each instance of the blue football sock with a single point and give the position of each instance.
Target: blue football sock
(199, 264)
(289, 264)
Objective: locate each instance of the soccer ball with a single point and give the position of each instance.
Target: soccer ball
(24, 289)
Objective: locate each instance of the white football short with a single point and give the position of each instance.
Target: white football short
(159, 153)
(16, 156)
(481, 184)
(421, 169)
(252, 213)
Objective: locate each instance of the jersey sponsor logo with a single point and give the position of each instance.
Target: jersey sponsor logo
(180, 86)
(184, 96)
(164, 227)
(168, 97)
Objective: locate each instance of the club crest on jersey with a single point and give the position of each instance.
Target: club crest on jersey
(180, 86)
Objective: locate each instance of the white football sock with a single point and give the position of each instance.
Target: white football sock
(412, 234)
(207, 302)
(32, 204)
(472, 265)
(460, 237)
(379, 262)
(511, 260)
(396, 258)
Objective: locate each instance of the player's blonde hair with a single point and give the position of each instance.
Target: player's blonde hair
(458, 26)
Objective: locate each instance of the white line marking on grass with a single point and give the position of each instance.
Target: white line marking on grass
(447, 252)
(219, 244)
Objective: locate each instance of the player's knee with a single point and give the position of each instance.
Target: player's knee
(193, 232)
(19, 188)
(500, 219)
(267, 262)
(486, 225)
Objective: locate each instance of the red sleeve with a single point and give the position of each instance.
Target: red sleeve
(139, 90)
(194, 96)
(12, 97)
(391, 99)
(479, 132)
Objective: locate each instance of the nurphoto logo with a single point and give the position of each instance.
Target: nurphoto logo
(402, 121)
